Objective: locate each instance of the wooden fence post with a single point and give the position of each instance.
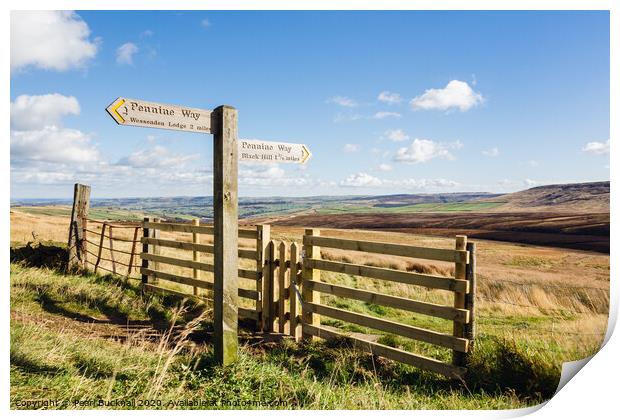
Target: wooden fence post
(133, 252)
(226, 234)
(470, 298)
(294, 325)
(77, 228)
(458, 358)
(262, 250)
(282, 289)
(100, 246)
(112, 251)
(146, 233)
(195, 255)
(155, 249)
(268, 287)
(307, 294)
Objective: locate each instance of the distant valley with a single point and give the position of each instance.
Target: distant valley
(567, 215)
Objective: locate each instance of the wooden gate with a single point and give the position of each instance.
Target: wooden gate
(300, 284)
(158, 266)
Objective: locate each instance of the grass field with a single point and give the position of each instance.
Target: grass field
(537, 307)
(103, 213)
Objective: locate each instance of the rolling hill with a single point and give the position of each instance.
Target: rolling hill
(589, 197)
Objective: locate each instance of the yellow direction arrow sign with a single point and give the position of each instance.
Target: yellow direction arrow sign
(141, 113)
(273, 151)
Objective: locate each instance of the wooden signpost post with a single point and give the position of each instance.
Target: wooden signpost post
(222, 123)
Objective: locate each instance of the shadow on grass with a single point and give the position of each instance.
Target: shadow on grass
(41, 255)
(339, 362)
(499, 368)
(29, 365)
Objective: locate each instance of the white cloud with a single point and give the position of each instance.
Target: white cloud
(395, 135)
(50, 40)
(530, 183)
(260, 170)
(492, 152)
(147, 34)
(342, 101)
(422, 150)
(205, 23)
(390, 98)
(597, 148)
(125, 53)
(268, 175)
(156, 157)
(29, 112)
(351, 148)
(385, 114)
(425, 183)
(52, 144)
(364, 180)
(340, 117)
(104, 175)
(456, 94)
(533, 163)
(37, 135)
(361, 179)
(385, 167)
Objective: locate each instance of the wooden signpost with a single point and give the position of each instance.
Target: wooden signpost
(222, 123)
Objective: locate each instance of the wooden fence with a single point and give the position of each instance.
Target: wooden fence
(286, 284)
(151, 258)
(112, 249)
(462, 285)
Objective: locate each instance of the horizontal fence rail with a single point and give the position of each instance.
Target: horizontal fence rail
(187, 228)
(250, 254)
(411, 305)
(426, 280)
(448, 255)
(389, 352)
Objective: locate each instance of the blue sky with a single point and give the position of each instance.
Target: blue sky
(388, 102)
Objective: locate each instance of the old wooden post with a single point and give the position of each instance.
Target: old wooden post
(224, 129)
(195, 240)
(470, 298)
(309, 295)
(460, 267)
(77, 227)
